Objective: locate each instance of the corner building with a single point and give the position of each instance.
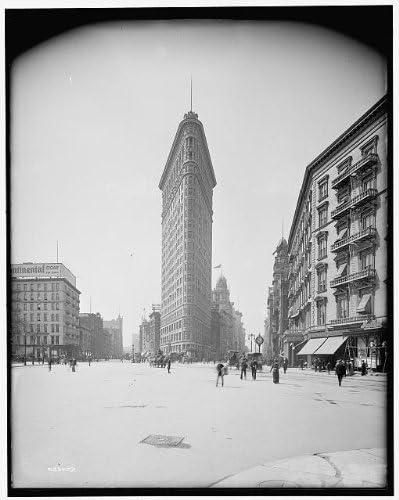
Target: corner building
(338, 249)
(187, 186)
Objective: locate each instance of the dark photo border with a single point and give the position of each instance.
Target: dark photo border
(370, 25)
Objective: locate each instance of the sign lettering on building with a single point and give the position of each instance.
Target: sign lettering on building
(42, 271)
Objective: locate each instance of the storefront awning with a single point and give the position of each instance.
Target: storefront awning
(342, 270)
(363, 304)
(342, 233)
(311, 346)
(331, 346)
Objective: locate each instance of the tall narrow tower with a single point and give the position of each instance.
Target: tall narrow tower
(187, 186)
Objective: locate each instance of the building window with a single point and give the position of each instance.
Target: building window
(38, 316)
(38, 328)
(321, 312)
(45, 296)
(342, 307)
(57, 306)
(45, 307)
(322, 246)
(367, 219)
(57, 317)
(366, 260)
(31, 287)
(52, 339)
(323, 214)
(323, 189)
(370, 147)
(45, 327)
(57, 327)
(322, 279)
(45, 317)
(45, 337)
(52, 328)
(31, 317)
(343, 195)
(25, 287)
(368, 182)
(57, 339)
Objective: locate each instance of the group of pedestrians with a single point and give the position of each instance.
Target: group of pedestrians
(244, 366)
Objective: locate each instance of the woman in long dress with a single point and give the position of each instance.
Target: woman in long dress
(275, 369)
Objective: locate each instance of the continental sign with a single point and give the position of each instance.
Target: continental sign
(42, 271)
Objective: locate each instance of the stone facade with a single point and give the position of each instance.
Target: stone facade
(115, 328)
(278, 304)
(44, 313)
(187, 186)
(337, 245)
(228, 332)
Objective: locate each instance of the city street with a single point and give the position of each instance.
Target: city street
(85, 429)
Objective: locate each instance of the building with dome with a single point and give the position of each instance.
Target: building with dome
(277, 307)
(228, 332)
(187, 186)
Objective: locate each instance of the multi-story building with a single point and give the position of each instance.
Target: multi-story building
(338, 247)
(44, 310)
(100, 339)
(144, 338)
(85, 341)
(278, 307)
(269, 343)
(187, 186)
(155, 328)
(228, 332)
(115, 329)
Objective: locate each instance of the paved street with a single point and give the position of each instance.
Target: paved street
(84, 429)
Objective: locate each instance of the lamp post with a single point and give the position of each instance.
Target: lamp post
(25, 348)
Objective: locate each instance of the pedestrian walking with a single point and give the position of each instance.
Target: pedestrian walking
(73, 364)
(49, 364)
(285, 365)
(301, 364)
(122, 359)
(168, 364)
(329, 367)
(244, 366)
(340, 371)
(276, 373)
(254, 367)
(89, 361)
(364, 368)
(220, 372)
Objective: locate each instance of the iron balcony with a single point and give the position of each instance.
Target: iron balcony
(342, 280)
(363, 163)
(351, 320)
(362, 197)
(369, 232)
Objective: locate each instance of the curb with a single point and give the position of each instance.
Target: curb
(362, 468)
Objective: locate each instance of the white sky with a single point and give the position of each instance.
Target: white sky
(94, 114)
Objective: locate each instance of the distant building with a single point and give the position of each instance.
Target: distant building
(85, 340)
(149, 336)
(100, 338)
(228, 332)
(44, 310)
(187, 186)
(115, 329)
(338, 251)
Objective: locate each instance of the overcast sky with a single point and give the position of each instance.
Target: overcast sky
(93, 117)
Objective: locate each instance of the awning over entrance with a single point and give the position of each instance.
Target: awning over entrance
(364, 304)
(331, 345)
(311, 346)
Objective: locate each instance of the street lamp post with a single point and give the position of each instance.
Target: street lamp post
(24, 348)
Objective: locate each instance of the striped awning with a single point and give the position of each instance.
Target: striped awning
(331, 345)
(311, 346)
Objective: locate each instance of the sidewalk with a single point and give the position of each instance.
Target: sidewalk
(363, 468)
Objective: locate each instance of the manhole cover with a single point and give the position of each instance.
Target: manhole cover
(160, 440)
